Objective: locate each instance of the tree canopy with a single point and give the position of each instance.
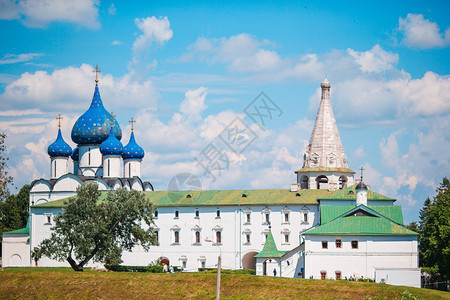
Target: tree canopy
(99, 230)
(435, 231)
(5, 179)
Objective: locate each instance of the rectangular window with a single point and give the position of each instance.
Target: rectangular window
(324, 244)
(176, 214)
(197, 237)
(305, 217)
(267, 218)
(157, 237)
(286, 218)
(218, 213)
(197, 214)
(338, 275)
(354, 244)
(203, 264)
(248, 218)
(218, 237)
(286, 238)
(176, 237)
(323, 275)
(49, 219)
(338, 243)
(247, 236)
(156, 214)
(184, 264)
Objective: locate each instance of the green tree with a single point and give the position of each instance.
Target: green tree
(435, 231)
(14, 211)
(5, 179)
(414, 226)
(99, 230)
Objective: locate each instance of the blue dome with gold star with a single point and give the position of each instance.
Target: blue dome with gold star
(93, 127)
(111, 146)
(59, 147)
(132, 150)
(75, 154)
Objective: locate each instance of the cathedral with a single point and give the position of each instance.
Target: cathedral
(328, 225)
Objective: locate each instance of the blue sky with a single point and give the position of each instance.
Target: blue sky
(185, 71)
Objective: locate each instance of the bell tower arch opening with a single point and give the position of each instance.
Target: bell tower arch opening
(322, 182)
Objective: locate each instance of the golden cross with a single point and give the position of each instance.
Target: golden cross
(96, 70)
(112, 118)
(59, 118)
(132, 121)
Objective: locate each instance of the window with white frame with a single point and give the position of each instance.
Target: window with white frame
(202, 262)
(48, 218)
(183, 260)
(175, 235)
(218, 213)
(247, 216)
(156, 231)
(177, 214)
(285, 236)
(197, 213)
(155, 214)
(285, 212)
(305, 213)
(266, 216)
(247, 233)
(217, 235)
(264, 234)
(197, 241)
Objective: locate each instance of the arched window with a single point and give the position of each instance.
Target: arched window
(218, 237)
(304, 182)
(197, 237)
(342, 182)
(322, 182)
(176, 236)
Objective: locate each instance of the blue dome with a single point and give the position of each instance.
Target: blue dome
(132, 150)
(59, 147)
(93, 127)
(111, 146)
(76, 154)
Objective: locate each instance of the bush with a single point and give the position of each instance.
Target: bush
(153, 267)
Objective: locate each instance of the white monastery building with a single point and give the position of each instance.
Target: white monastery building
(326, 226)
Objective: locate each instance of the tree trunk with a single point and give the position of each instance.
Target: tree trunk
(74, 265)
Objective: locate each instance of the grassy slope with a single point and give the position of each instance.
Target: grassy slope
(63, 283)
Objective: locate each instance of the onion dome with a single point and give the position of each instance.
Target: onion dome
(76, 154)
(361, 186)
(111, 146)
(93, 127)
(132, 150)
(59, 147)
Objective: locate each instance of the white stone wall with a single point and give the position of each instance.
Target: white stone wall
(15, 250)
(373, 252)
(90, 160)
(112, 166)
(131, 168)
(232, 224)
(59, 166)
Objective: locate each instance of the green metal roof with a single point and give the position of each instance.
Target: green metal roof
(323, 169)
(360, 225)
(270, 248)
(331, 212)
(18, 231)
(349, 193)
(221, 198)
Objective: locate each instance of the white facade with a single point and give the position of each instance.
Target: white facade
(372, 252)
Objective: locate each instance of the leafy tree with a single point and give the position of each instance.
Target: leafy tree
(92, 229)
(414, 226)
(435, 229)
(14, 211)
(5, 179)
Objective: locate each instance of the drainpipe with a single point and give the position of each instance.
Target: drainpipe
(240, 237)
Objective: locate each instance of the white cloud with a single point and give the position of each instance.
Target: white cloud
(194, 104)
(116, 43)
(374, 60)
(38, 13)
(422, 33)
(153, 30)
(70, 90)
(15, 58)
